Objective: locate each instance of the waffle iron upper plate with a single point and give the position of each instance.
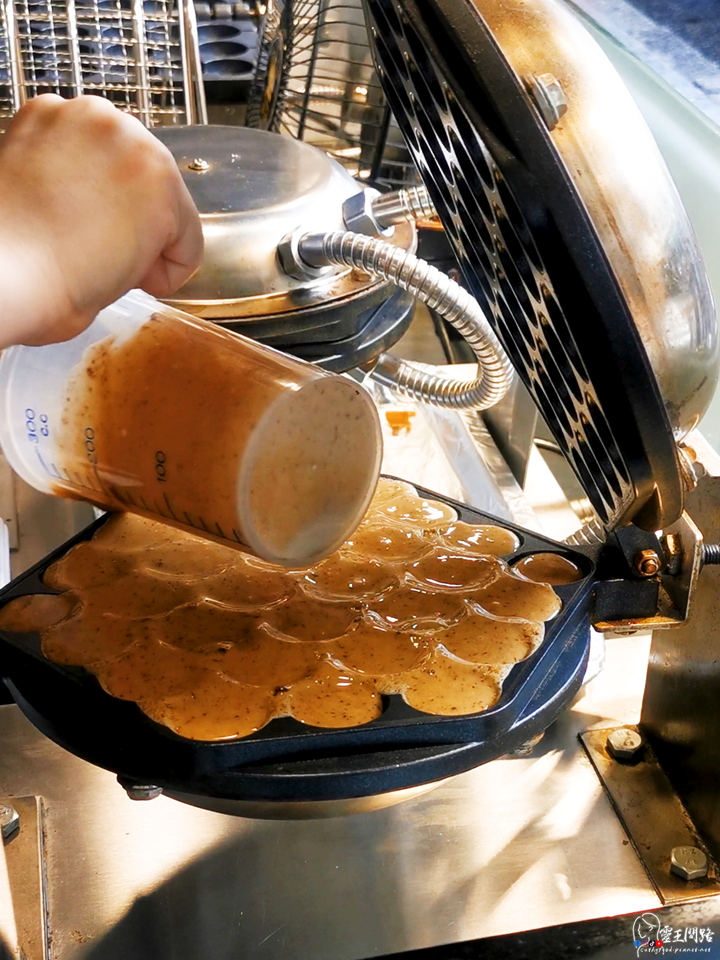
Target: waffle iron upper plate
(535, 238)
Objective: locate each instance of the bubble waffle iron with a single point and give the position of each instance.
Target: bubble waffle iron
(289, 761)
(569, 231)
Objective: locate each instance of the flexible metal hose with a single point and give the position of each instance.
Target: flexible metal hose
(438, 291)
(408, 203)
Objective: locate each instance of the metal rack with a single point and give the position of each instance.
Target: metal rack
(141, 54)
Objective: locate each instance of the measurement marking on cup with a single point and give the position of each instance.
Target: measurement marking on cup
(205, 528)
(219, 529)
(172, 512)
(90, 445)
(99, 488)
(44, 465)
(160, 469)
(236, 536)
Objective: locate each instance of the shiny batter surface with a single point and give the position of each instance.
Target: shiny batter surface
(214, 643)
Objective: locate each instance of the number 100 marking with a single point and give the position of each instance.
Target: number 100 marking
(160, 471)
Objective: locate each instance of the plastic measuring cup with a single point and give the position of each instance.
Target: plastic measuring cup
(156, 412)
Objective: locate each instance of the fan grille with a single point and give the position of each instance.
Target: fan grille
(329, 93)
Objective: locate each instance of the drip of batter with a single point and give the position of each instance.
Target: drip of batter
(214, 643)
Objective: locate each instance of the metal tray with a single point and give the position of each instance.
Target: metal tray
(287, 760)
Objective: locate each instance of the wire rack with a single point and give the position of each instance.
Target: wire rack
(134, 52)
(331, 94)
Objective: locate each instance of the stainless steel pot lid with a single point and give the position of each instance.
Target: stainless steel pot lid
(252, 188)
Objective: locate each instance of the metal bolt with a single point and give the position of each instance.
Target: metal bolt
(711, 554)
(647, 563)
(198, 165)
(690, 863)
(9, 820)
(139, 791)
(549, 97)
(288, 253)
(624, 744)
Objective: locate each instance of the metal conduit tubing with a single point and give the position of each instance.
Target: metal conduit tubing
(407, 203)
(438, 291)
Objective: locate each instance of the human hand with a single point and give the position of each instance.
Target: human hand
(91, 206)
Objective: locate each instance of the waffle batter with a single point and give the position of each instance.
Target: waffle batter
(214, 643)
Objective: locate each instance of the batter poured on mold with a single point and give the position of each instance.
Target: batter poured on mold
(214, 643)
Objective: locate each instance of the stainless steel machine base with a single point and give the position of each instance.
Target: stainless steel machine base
(652, 814)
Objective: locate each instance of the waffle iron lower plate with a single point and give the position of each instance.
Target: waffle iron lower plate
(286, 760)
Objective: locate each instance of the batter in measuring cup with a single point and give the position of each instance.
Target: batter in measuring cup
(217, 434)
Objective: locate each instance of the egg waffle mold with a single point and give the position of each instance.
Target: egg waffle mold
(287, 760)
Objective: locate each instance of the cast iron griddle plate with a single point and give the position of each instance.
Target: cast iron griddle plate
(287, 760)
(529, 252)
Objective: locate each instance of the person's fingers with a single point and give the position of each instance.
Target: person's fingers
(182, 253)
(36, 112)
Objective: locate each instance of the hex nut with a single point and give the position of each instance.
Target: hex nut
(624, 744)
(647, 563)
(9, 820)
(548, 96)
(358, 214)
(689, 863)
(288, 254)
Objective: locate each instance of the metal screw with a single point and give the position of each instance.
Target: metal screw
(711, 554)
(647, 563)
(9, 820)
(199, 165)
(139, 791)
(549, 97)
(624, 744)
(690, 863)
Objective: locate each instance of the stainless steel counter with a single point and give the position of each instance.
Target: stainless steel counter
(514, 845)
